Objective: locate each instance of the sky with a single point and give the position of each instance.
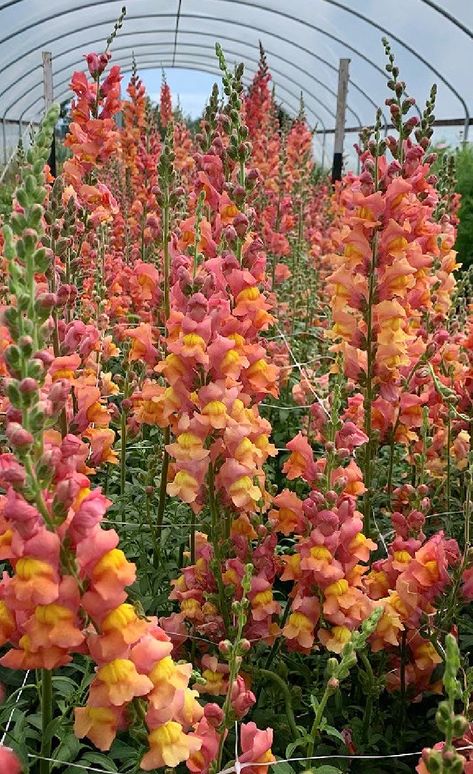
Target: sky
(190, 88)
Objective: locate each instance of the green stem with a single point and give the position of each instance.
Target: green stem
(153, 532)
(162, 488)
(314, 731)
(215, 532)
(46, 718)
(402, 677)
(369, 698)
(449, 464)
(123, 440)
(368, 466)
(287, 698)
(392, 447)
(277, 643)
(234, 664)
(192, 538)
(390, 470)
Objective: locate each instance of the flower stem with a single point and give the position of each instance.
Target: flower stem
(215, 532)
(367, 715)
(287, 698)
(403, 683)
(166, 206)
(162, 487)
(123, 439)
(46, 718)
(314, 731)
(368, 397)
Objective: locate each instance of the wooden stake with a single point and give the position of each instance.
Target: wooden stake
(48, 101)
(343, 73)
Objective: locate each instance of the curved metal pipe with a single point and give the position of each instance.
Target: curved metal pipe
(449, 16)
(158, 63)
(412, 51)
(199, 17)
(199, 46)
(194, 45)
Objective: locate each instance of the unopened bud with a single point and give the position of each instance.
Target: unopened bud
(28, 385)
(46, 301)
(18, 436)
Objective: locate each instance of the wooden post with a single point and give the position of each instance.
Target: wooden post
(343, 72)
(48, 101)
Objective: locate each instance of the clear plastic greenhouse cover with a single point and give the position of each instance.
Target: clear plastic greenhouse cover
(303, 39)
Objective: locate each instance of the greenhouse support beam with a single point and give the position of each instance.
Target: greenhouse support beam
(343, 73)
(48, 101)
(198, 17)
(460, 122)
(4, 138)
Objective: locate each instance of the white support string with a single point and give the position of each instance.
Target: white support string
(381, 536)
(237, 767)
(9, 721)
(298, 366)
(310, 334)
(334, 757)
(73, 765)
(290, 408)
(148, 526)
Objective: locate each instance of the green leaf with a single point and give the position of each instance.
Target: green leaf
(333, 732)
(64, 686)
(121, 751)
(284, 767)
(327, 770)
(68, 750)
(101, 760)
(302, 742)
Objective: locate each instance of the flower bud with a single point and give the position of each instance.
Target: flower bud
(240, 223)
(46, 301)
(331, 496)
(28, 385)
(45, 357)
(18, 437)
(26, 345)
(13, 414)
(230, 235)
(214, 714)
